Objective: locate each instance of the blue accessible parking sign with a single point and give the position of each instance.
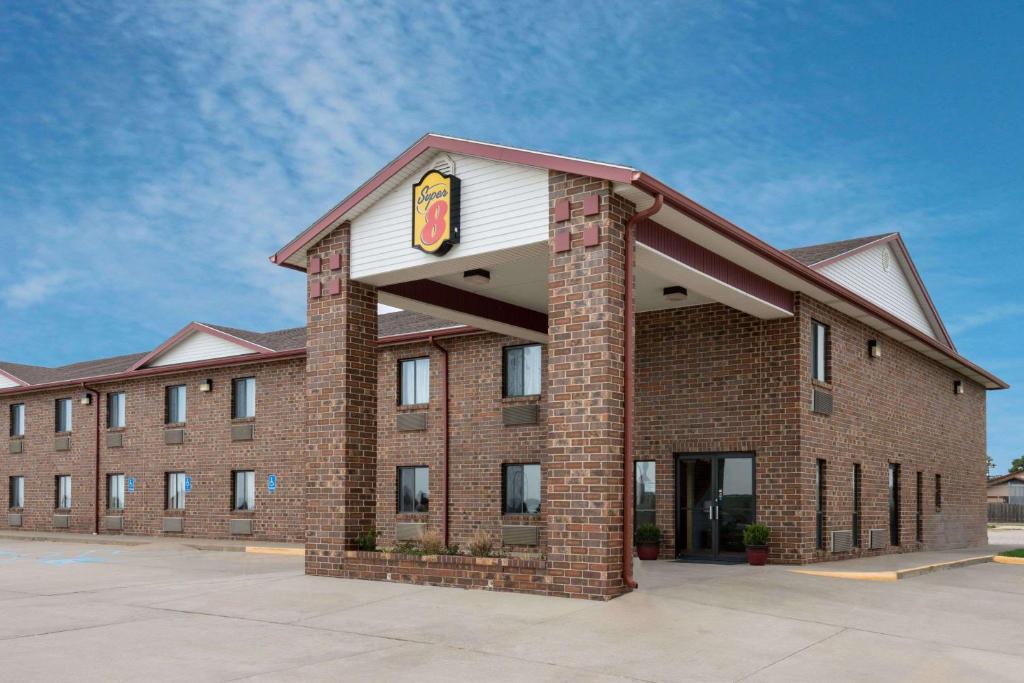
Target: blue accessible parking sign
(188, 484)
(131, 484)
(271, 482)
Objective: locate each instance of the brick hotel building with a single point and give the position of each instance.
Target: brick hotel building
(540, 386)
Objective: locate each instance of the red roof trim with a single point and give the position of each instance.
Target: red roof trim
(190, 329)
(855, 250)
(460, 331)
(441, 143)
(16, 380)
(162, 370)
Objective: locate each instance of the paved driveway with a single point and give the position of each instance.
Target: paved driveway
(168, 612)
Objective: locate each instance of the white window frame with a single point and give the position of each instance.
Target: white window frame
(176, 490)
(115, 492)
(116, 410)
(179, 414)
(64, 408)
(243, 395)
(63, 492)
(530, 369)
(17, 419)
(244, 498)
(414, 381)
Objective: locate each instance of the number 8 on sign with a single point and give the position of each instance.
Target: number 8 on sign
(435, 213)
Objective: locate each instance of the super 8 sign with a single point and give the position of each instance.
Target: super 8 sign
(435, 212)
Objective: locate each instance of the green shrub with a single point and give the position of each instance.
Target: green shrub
(367, 541)
(647, 534)
(1019, 552)
(756, 534)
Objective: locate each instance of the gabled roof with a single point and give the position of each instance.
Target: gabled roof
(1001, 479)
(278, 340)
(198, 328)
(818, 254)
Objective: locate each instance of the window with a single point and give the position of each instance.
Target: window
(856, 505)
(174, 409)
(115, 492)
(414, 379)
(522, 370)
(938, 492)
(245, 490)
(63, 492)
(522, 489)
(1015, 492)
(919, 509)
(819, 497)
(819, 351)
(413, 489)
(175, 490)
(16, 492)
(18, 419)
(643, 493)
(894, 504)
(243, 397)
(62, 415)
(115, 410)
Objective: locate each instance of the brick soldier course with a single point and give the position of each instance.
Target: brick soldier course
(710, 379)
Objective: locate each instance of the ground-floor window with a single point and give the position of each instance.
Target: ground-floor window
(938, 492)
(644, 493)
(245, 490)
(175, 490)
(16, 492)
(894, 504)
(919, 521)
(63, 492)
(819, 502)
(522, 489)
(115, 492)
(856, 504)
(413, 489)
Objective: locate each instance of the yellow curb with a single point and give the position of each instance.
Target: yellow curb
(853, 576)
(270, 550)
(1003, 559)
(901, 573)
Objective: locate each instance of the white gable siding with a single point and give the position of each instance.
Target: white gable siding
(865, 274)
(6, 383)
(502, 206)
(198, 346)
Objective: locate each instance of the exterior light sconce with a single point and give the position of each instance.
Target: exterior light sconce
(874, 348)
(86, 399)
(958, 386)
(206, 386)
(477, 276)
(675, 294)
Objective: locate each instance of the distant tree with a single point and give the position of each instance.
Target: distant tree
(991, 463)
(1017, 465)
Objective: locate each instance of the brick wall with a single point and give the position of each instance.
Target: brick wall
(208, 454)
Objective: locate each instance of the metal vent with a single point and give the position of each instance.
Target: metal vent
(877, 538)
(113, 523)
(520, 414)
(842, 541)
(445, 164)
(411, 422)
(13, 519)
(173, 524)
(520, 535)
(61, 521)
(174, 436)
(821, 402)
(62, 443)
(17, 446)
(409, 531)
(115, 440)
(240, 527)
(244, 432)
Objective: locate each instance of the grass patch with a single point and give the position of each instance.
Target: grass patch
(1019, 552)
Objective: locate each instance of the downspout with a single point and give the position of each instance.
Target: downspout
(627, 431)
(444, 419)
(96, 464)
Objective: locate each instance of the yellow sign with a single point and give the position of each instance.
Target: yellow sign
(435, 213)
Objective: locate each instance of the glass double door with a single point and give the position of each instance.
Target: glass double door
(715, 502)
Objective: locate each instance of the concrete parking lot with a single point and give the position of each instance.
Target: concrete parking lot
(165, 611)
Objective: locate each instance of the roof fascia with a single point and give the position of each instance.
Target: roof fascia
(192, 328)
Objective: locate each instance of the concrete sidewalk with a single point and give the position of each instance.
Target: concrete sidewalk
(212, 544)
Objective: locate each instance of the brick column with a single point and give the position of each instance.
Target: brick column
(341, 405)
(583, 489)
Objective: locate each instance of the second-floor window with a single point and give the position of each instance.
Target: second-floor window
(819, 351)
(414, 381)
(18, 419)
(174, 412)
(243, 397)
(522, 370)
(115, 410)
(115, 492)
(63, 492)
(62, 415)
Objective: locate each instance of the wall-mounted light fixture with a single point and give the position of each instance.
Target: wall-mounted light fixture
(958, 386)
(874, 348)
(86, 399)
(477, 276)
(206, 385)
(675, 293)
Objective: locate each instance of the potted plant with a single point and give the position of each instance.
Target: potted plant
(647, 539)
(755, 538)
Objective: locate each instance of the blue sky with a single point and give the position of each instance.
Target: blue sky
(152, 155)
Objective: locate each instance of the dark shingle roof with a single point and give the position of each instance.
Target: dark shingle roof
(390, 324)
(816, 253)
